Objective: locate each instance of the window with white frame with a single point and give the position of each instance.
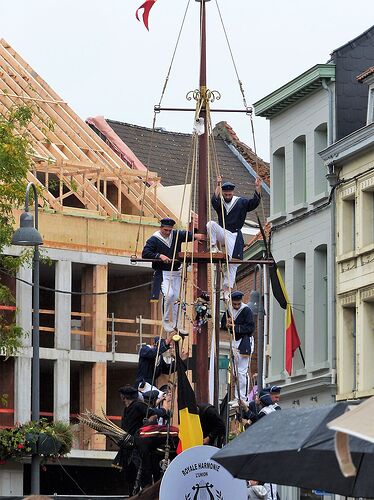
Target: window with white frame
(320, 284)
(347, 352)
(370, 114)
(298, 302)
(366, 341)
(367, 215)
(278, 184)
(299, 169)
(348, 224)
(320, 143)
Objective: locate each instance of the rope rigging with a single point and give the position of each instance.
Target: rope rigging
(187, 310)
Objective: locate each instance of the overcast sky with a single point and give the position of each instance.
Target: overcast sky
(102, 61)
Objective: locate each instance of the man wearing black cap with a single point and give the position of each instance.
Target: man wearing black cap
(163, 245)
(274, 392)
(267, 404)
(239, 320)
(230, 222)
(134, 413)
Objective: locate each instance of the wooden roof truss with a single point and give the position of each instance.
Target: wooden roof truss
(70, 162)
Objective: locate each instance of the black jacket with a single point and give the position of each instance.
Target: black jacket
(212, 424)
(146, 365)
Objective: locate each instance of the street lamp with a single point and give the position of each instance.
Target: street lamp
(255, 304)
(28, 235)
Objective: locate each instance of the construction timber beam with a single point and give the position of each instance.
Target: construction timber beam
(68, 153)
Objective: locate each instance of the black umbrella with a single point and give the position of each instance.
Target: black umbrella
(295, 448)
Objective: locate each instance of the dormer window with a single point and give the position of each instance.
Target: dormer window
(370, 117)
(368, 78)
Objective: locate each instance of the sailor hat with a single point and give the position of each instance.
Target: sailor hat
(167, 222)
(228, 186)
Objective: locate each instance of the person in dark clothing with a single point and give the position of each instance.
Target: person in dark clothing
(165, 363)
(250, 411)
(163, 245)
(147, 360)
(228, 230)
(155, 401)
(274, 391)
(267, 404)
(134, 414)
(212, 425)
(239, 320)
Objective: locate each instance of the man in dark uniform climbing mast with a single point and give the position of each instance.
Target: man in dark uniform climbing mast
(239, 321)
(163, 245)
(228, 230)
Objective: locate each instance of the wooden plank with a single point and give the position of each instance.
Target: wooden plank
(129, 334)
(81, 332)
(100, 313)
(99, 397)
(149, 321)
(119, 320)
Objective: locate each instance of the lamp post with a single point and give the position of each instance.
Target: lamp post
(255, 304)
(28, 235)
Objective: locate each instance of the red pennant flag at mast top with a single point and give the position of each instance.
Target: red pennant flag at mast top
(146, 6)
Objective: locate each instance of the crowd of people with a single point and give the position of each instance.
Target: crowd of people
(147, 417)
(148, 410)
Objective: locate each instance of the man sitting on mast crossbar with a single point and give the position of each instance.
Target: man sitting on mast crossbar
(164, 244)
(231, 219)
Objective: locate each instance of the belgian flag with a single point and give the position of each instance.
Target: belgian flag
(280, 293)
(190, 432)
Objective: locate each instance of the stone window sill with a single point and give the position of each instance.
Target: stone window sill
(346, 256)
(277, 217)
(301, 207)
(319, 198)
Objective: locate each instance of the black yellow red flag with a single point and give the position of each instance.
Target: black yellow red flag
(277, 285)
(190, 432)
(280, 293)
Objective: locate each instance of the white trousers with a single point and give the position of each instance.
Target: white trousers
(216, 233)
(170, 288)
(241, 367)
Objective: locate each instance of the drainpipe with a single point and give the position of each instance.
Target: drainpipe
(330, 128)
(266, 323)
(333, 181)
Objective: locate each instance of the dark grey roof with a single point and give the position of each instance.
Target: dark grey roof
(351, 96)
(369, 33)
(168, 153)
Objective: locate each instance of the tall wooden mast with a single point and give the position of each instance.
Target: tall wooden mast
(202, 365)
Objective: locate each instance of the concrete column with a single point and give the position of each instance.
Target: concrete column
(61, 404)
(309, 309)
(22, 366)
(24, 303)
(22, 389)
(63, 305)
(11, 479)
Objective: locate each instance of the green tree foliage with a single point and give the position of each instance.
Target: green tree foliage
(15, 160)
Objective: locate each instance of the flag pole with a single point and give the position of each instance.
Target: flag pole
(202, 384)
(302, 355)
